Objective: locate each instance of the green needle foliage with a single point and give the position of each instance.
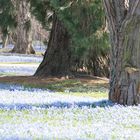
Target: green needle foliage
(7, 16)
(85, 22)
(41, 9)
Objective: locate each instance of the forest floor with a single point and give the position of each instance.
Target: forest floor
(34, 108)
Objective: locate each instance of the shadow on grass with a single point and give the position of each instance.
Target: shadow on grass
(57, 104)
(19, 87)
(76, 86)
(65, 86)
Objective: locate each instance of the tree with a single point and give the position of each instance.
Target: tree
(124, 25)
(80, 35)
(85, 21)
(7, 19)
(23, 42)
(56, 60)
(4, 40)
(15, 19)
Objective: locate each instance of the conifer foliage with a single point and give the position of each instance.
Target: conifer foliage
(85, 23)
(7, 19)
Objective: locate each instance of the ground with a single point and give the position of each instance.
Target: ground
(46, 82)
(57, 108)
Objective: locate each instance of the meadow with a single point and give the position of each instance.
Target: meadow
(66, 110)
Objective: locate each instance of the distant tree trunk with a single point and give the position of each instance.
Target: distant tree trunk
(4, 41)
(23, 43)
(56, 60)
(124, 25)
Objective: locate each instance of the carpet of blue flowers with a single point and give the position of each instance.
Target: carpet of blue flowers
(36, 114)
(19, 65)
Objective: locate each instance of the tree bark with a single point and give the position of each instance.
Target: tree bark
(56, 60)
(4, 41)
(124, 25)
(24, 35)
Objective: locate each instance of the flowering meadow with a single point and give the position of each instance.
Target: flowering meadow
(39, 114)
(19, 65)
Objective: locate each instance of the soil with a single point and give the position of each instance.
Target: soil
(31, 80)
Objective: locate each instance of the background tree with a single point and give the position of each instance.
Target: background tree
(81, 33)
(56, 60)
(7, 20)
(15, 21)
(39, 34)
(23, 42)
(123, 19)
(90, 47)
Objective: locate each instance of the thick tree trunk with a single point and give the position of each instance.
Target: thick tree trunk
(56, 60)
(124, 26)
(24, 36)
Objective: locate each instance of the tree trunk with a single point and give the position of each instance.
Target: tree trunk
(124, 25)
(56, 60)
(24, 36)
(4, 41)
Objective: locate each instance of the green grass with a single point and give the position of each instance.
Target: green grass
(53, 118)
(133, 126)
(49, 117)
(74, 87)
(70, 86)
(91, 94)
(66, 119)
(8, 74)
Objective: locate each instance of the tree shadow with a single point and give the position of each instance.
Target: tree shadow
(57, 104)
(19, 87)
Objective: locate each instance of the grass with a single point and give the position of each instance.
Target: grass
(73, 87)
(69, 86)
(10, 74)
(52, 119)
(66, 87)
(97, 95)
(133, 126)
(62, 123)
(7, 74)
(72, 123)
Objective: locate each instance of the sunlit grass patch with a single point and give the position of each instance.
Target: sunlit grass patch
(114, 123)
(71, 86)
(74, 87)
(133, 126)
(84, 94)
(28, 113)
(2, 74)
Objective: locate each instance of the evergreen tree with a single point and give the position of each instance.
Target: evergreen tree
(83, 21)
(7, 19)
(56, 60)
(15, 19)
(86, 23)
